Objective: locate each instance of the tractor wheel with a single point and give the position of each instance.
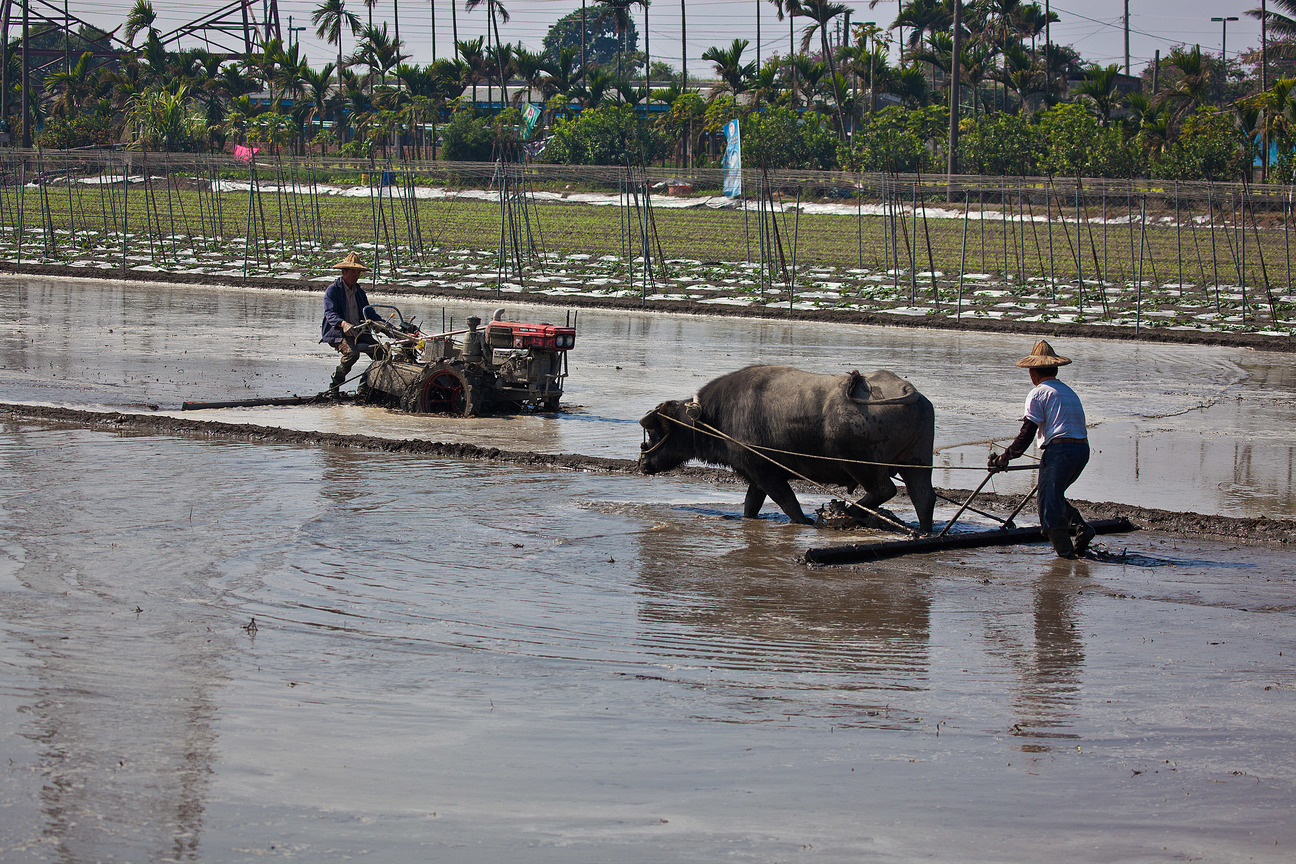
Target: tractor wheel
(446, 390)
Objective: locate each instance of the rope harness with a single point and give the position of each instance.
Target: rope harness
(716, 433)
(694, 411)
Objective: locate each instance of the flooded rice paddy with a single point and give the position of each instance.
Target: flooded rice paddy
(217, 650)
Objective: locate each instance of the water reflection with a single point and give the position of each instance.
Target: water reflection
(725, 599)
(121, 702)
(1049, 670)
(1211, 430)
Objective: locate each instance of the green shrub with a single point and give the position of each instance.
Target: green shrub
(467, 138)
(1209, 147)
(999, 144)
(82, 130)
(607, 135)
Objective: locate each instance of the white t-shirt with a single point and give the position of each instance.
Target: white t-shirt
(1056, 410)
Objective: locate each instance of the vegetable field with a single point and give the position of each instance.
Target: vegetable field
(1129, 253)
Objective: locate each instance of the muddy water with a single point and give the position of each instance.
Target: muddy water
(1211, 430)
(469, 662)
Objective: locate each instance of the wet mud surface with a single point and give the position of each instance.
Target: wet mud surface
(1280, 532)
(338, 632)
(1257, 341)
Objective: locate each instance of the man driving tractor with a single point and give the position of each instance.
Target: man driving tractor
(345, 306)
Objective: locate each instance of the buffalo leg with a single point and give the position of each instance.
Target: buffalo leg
(752, 504)
(877, 492)
(918, 485)
(781, 493)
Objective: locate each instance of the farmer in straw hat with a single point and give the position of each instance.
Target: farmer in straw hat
(1055, 418)
(345, 306)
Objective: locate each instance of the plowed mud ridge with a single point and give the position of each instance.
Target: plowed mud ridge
(1257, 341)
(1259, 530)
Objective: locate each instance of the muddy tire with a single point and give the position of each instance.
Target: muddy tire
(444, 389)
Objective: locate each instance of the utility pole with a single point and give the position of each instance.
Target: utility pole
(291, 31)
(955, 72)
(1127, 66)
(1224, 46)
(432, 6)
(684, 42)
(870, 28)
(1264, 46)
(1048, 52)
(1264, 87)
(26, 77)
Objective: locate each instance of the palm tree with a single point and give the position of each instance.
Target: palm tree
(977, 59)
(999, 21)
(495, 11)
(1274, 107)
(1280, 18)
(317, 84)
(1099, 87)
(1194, 81)
(910, 84)
(140, 17)
(530, 66)
(619, 12)
(204, 74)
(472, 56)
(499, 61)
(1025, 77)
(330, 19)
(563, 72)
(821, 13)
(922, 17)
(806, 75)
(291, 72)
(597, 84)
(75, 87)
(729, 66)
(1031, 21)
(379, 52)
(767, 83)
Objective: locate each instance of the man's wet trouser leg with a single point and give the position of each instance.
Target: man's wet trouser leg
(350, 354)
(1062, 463)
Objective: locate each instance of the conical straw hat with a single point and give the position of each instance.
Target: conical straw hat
(1042, 355)
(350, 262)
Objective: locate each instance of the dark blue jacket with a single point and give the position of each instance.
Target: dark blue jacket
(335, 308)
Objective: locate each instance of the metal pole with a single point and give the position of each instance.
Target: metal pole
(955, 71)
(1138, 303)
(26, 76)
(967, 203)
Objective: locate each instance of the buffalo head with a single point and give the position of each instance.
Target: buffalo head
(667, 443)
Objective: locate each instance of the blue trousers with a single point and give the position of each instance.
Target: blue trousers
(1061, 465)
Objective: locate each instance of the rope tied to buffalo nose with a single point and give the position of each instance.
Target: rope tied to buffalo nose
(692, 408)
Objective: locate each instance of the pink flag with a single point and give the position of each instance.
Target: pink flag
(245, 154)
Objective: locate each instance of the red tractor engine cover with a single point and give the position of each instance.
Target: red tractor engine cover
(514, 334)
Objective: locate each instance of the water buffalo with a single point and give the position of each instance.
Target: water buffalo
(875, 418)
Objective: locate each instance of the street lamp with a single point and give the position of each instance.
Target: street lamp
(1224, 35)
(1224, 45)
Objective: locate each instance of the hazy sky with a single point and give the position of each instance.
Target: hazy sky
(1094, 27)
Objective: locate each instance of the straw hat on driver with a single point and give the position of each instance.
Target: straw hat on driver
(350, 262)
(1042, 355)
